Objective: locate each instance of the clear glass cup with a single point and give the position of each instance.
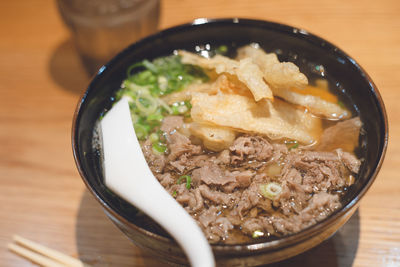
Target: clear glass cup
(101, 28)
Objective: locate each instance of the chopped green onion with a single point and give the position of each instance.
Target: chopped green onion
(145, 77)
(155, 117)
(175, 110)
(146, 104)
(174, 193)
(150, 66)
(292, 144)
(271, 190)
(141, 131)
(146, 82)
(165, 106)
(188, 180)
(162, 83)
(133, 89)
(257, 234)
(159, 148)
(154, 138)
(132, 67)
(181, 107)
(161, 136)
(222, 49)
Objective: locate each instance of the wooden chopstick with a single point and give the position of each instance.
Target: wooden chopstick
(42, 255)
(34, 257)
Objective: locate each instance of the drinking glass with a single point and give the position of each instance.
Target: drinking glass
(101, 28)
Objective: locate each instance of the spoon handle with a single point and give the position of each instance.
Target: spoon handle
(129, 176)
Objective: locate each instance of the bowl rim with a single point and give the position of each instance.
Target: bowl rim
(299, 32)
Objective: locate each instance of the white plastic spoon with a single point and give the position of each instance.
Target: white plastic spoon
(129, 176)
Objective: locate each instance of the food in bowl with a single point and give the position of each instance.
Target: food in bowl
(245, 144)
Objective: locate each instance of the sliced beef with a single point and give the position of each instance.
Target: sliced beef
(242, 179)
(349, 160)
(343, 135)
(185, 198)
(208, 216)
(322, 171)
(214, 195)
(315, 156)
(249, 198)
(251, 225)
(179, 165)
(284, 225)
(215, 226)
(224, 157)
(293, 196)
(212, 174)
(187, 162)
(199, 200)
(221, 227)
(171, 123)
(156, 161)
(320, 206)
(250, 148)
(179, 144)
(225, 191)
(165, 179)
(279, 151)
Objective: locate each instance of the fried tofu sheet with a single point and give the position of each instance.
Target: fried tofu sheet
(276, 119)
(215, 138)
(245, 70)
(344, 135)
(240, 98)
(276, 74)
(283, 76)
(314, 104)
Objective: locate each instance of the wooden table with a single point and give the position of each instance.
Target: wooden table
(42, 196)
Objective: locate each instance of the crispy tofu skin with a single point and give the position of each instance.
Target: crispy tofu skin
(214, 138)
(276, 74)
(246, 71)
(282, 77)
(276, 119)
(314, 104)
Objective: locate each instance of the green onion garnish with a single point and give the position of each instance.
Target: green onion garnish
(155, 117)
(182, 107)
(146, 82)
(222, 49)
(141, 131)
(271, 190)
(188, 180)
(159, 148)
(154, 138)
(292, 144)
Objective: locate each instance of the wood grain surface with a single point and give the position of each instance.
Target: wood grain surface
(42, 196)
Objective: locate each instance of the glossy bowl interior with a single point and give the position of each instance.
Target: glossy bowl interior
(315, 57)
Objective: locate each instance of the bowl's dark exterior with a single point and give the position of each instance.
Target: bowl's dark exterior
(307, 51)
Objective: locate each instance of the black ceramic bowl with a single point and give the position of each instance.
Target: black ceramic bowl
(306, 50)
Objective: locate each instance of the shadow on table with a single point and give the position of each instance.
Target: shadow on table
(67, 69)
(100, 243)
